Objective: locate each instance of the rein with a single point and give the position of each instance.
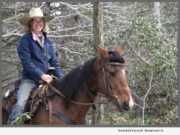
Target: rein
(72, 101)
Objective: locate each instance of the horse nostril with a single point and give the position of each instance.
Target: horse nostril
(125, 106)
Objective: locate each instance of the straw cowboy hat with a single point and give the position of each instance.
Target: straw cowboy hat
(34, 12)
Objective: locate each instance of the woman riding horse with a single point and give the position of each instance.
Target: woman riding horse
(75, 93)
(37, 56)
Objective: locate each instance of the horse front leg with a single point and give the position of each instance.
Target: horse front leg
(41, 117)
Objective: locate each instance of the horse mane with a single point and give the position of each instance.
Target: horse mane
(71, 83)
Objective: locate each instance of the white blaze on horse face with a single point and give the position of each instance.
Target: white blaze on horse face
(131, 102)
(123, 72)
(7, 94)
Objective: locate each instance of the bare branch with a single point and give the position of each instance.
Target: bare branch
(150, 86)
(63, 36)
(71, 15)
(42, 4)
(11, 34)
(70, 51)
(73, 28)
(138, 55)
(12, 18)
(52, 36)
(84, 6)
(64, 16)
(138, 105)
(145, 96)
(76, 11)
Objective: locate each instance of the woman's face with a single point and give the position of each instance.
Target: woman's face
(37, 24)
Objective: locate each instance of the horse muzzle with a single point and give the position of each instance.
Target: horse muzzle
(125, 106)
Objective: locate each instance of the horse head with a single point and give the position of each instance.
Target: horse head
(111, 77)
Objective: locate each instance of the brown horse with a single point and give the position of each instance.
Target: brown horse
(76, 92)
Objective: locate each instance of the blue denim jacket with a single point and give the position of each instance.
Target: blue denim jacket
(36, 59)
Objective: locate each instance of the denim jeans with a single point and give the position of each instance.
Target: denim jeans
(23, 93)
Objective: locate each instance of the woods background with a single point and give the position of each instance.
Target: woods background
(147, 31)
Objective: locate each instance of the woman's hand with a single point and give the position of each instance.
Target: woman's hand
(47, 78)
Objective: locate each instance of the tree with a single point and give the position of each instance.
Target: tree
(98, 38)
(0, 75)
(157, 14)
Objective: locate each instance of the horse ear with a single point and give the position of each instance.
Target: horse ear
(120, 50)
(102, 53)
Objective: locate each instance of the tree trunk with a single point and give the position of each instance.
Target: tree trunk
(98, 25)
(157, 13)
(0, 112)
(0, 71)
(98, 42)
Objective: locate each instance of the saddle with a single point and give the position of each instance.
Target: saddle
(39, 96)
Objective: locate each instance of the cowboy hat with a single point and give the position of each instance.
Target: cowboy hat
(34, 12)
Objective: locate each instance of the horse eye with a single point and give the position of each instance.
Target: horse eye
(113, 73)
(127, 72)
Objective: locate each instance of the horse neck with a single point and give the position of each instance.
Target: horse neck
(86, 96)
(81, 104)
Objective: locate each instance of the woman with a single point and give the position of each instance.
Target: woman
(37, 58)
